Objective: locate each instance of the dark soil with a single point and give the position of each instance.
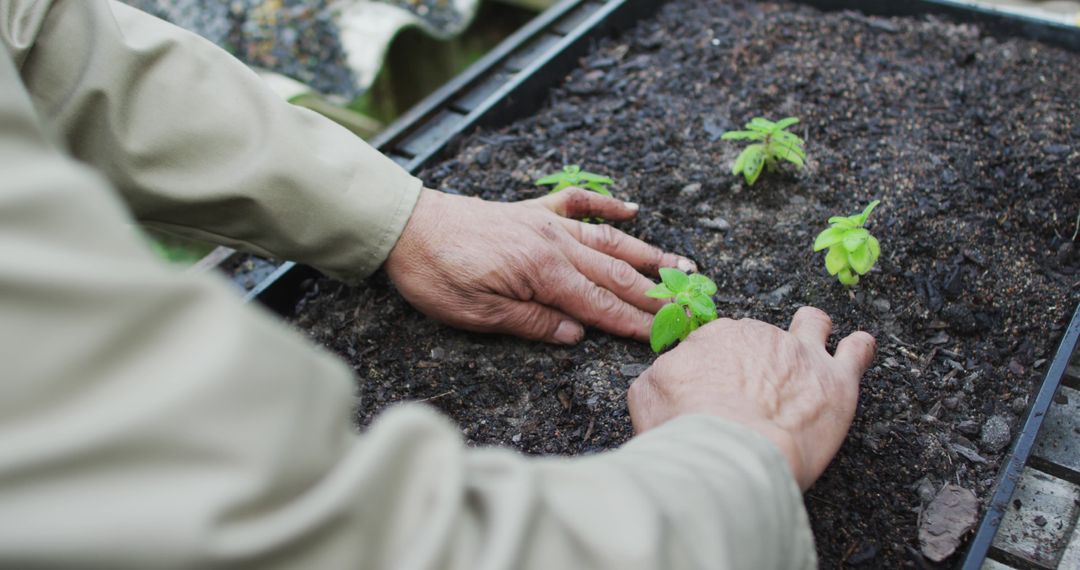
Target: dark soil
(971, 142)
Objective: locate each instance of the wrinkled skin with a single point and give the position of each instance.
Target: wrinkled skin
(782, 384)
(526, 268)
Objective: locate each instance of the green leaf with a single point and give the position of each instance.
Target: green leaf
(753, 173)
(550, 179)
(875, 249)
(855, 238)
(786, 153)
(675, 280)
(661, 291)
(860, 259)
(785, 123)
(703, 307)
(866, 213)
(847, 277)
(842, 222)
(791, 142)
(683, 299)
(829, 238)
(669, 325)
(590, 177)
(572, 169)
(599, 189)
(761, 124)
(753, 160)
(836, 260)
(702, 284)
(742, 136)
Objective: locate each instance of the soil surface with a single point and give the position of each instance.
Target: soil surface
(971, 142)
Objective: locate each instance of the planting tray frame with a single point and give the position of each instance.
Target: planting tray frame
(512, 80)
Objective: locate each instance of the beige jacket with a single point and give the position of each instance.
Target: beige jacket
(148, 419)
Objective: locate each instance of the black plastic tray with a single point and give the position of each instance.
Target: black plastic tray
(513, 79)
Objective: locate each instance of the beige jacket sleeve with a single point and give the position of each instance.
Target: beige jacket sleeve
(198, 146)
(148, 420)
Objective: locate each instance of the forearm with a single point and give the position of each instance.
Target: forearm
(199, 147)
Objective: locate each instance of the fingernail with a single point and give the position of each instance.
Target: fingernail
(687, 266)
(632, 206)
(568, 332)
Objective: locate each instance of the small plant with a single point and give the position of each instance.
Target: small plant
(692, 306)
(852, 250)
(573, 175)
(775, 144)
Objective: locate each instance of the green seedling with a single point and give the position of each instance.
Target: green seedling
(774, 144)
(573, 175)
(852, 250)
(692, 306)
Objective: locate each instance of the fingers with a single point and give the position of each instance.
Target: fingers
(640, 255)
(536, 322)
(856, 352)
(595, 306)
(811, 325)
(616, 276)
(579, 203)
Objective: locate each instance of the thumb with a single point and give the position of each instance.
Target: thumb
(578, 203)
(537, 322)
(856, 352)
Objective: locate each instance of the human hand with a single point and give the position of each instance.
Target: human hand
(525, 268)
(784, 385)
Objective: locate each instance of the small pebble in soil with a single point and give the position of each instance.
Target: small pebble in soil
(925, 490)
(941, 337)
(633, 370)
(777, 295)
(953, 512)
(995, 434)
(716, 224)
(690, 189)
(881, 305)
(967, 453)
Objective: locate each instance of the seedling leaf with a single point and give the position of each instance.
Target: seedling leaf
(675, 280)
(828, 238)
(661, 291)
(852, 250)
(702, 284)
(875, 249)
(847, 277)
(776, 145)
(692, 306)
(836, 260)
(859, 260)
(669, 325)
(703, 307)
(855, 238)
(742, 136)
(785, 123)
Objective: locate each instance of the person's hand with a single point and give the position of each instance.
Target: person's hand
(784, 385)
(525, 268)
